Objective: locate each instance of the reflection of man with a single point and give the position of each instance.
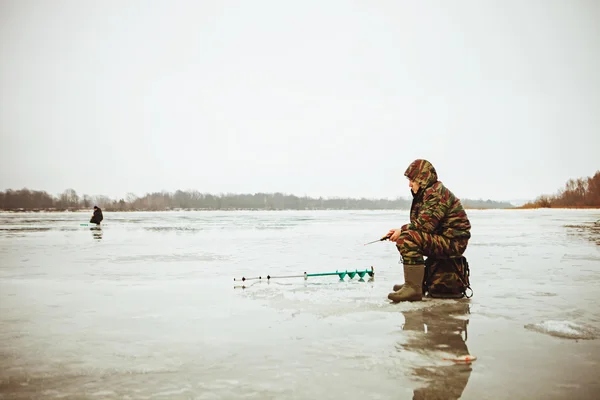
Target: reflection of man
(96, 233)
(440, 336)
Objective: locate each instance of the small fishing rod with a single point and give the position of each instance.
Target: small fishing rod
(342, 275)
(386, 237)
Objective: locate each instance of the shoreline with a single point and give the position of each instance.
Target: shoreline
(45, 210)
(226, 209)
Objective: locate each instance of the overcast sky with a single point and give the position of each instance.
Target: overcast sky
(323, 98)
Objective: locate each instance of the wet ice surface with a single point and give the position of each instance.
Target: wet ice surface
(146, 308)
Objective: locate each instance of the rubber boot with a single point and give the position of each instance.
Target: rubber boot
(399, 285)
(412, 290)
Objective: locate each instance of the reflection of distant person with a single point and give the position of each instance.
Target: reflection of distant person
(97, 217)
(442, 338)
(96, 233)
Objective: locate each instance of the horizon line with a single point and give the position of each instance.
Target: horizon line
(331, 197)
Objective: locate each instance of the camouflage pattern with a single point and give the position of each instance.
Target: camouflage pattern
(447, 278)
(439, 226)
(435, 208)
(413, 245)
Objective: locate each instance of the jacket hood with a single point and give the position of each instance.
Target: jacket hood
(422, 172)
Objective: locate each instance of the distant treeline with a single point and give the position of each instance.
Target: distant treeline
(582, 192)
(26, 199)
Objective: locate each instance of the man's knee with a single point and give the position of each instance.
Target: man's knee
(409, 238)
(409, 244)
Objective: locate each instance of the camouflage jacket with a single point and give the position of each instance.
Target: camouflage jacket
(435, 208)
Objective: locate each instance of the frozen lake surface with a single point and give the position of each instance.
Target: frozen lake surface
(146, 308)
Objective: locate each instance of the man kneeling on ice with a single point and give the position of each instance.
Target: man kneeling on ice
(97, 217)
(439, 228)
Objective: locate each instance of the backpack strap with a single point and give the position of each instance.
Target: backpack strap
(464, 277)
(429, 263)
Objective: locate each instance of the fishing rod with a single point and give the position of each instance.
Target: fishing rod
(342, 275)
(386, 237)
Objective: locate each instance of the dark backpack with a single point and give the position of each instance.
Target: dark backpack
(447, 278)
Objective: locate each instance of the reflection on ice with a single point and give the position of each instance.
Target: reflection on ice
(96, 232)
(438, 334)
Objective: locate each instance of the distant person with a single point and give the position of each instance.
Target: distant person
(439, 228)
(97, 217)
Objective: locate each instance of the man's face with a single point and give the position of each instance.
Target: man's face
(414, 186)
